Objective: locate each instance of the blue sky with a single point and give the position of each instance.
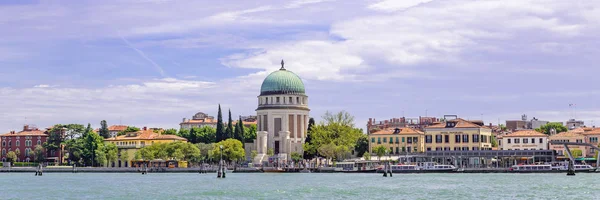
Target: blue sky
(154, 62)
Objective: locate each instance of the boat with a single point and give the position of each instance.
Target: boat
(355, 167)
(400, 168)
(273, 170)
(577, 168)
(530, 168)
(435, 167)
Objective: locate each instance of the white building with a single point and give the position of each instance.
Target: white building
(282, 115)
(524, 140)
(199, 120)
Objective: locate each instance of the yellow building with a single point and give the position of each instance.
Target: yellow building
(457, 135)
(131, 142)
(398, 140)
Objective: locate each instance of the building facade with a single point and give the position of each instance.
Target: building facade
(569, 136)
(524, 140)
(282, 115)
(114, 130)
(24, 142)
(457, 135)
(199, 120)
(130, 143)
(398, 140)
(591, 136)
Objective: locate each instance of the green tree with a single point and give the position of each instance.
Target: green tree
(233, 150)
(367, 156)
(270, 152)
(342, 118)
(206, 135)
(547, 128)
(184, 133)
(239, 130)
(11, 156)
(336, 131)
(38, 153)
(124, 157)
(328, 151)
(129, 129)
(205, 151)
(577, 153)
(309, 154)
(103, 131)
(494, 141)
(502, 127)
(93, 153)
(253, 154)
(111, 151)
(170, 131)
(250, 133)
(362, 145)
(229, 131)
(296, 157)
(380, 151)
(220, 131)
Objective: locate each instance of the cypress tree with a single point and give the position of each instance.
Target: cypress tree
(311, 123)
(103, 131)
(220, 133)
(229, 133)
(236, 131)
(242, 131)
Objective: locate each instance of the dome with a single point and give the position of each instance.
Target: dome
(282, 81)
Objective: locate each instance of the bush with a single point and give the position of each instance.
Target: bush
(25, 164)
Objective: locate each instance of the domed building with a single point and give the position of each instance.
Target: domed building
(282, 115)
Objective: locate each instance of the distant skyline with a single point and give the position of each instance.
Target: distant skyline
(154, 62)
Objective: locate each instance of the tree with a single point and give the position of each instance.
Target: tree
(367, 156)
(11, 156)
(103, 131)
(502, 127)
(577, 153)
(205, 151)
(129, 129)
(93, 152)
(18, 153)
(547, 128)
(206, 135)
(229, 132)
(296, 157)
(253, 154)
(328, 151)
(233, 150)
(170, 131)
(494, 141)
(270, 152)
(342, 118)
(250, 133)
(380, 151)
(338, 131)
(239, 130)
(362, 145)
(111, 151)
(309, 154)
(124, 156)
(220, 132)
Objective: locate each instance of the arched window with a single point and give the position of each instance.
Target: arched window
(27, 152)
(3, 143)
(9, 143)
(18, 143)
(39, 142)
(3, 152)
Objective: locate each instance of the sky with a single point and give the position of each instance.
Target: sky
(154, 62)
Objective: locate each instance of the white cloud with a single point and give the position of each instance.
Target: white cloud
(395, 5)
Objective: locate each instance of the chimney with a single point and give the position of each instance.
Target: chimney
(26, 127)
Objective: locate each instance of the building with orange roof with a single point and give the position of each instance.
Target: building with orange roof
(131, 142)
(458, 135)
(114, 130)
(24, 142)
(397, 140)
(575, 135)
(524, 140)
(591, 136)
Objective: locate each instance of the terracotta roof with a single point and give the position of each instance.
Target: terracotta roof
(403, 131)
(27, 133)
(460, 123)
(117, 128)
(568, 134)
(146, 135)
(526, 133)
(595, 131)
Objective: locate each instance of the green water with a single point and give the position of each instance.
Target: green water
(299, 186)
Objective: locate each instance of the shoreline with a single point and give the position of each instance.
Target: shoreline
(254, 170)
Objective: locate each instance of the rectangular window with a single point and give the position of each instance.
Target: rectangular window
(277, 101)
(397, 140)
(447, 138)
(415, 139)
(428, 139)
(409, 141)
(465, 138)
(525, 140)
(465, 148)
(475, 148)
(384, 140)
(408, 150)
(378, 140)
(541, 140)
(438, 139)
(391, 140)
(517, 140)
(290, 100)
(402, 139)
(403, 149)
(391, 150)
(397, 150)
(456, 138)
(373, 140)
(475, 138)
(508, 140)
(428, 148)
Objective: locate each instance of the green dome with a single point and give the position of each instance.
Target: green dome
(282, 81)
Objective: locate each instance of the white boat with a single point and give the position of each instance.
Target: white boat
(530, 168)
(355, 166)
(432, 166)
(405, 168)
(577, 168)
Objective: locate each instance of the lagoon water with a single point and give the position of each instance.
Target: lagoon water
(298, 186)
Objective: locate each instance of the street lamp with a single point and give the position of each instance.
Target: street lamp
(221, 170)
